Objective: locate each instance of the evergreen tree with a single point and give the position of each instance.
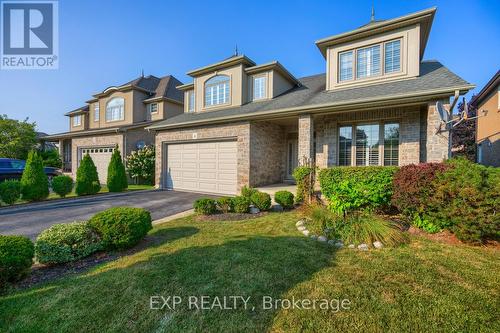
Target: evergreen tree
(34, 182)
(117, 177)
(87, 179)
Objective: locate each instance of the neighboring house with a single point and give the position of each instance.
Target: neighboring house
(487, 103)
(248, 124)
(117, 117)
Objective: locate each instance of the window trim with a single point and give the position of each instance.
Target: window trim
(191, 106)
(74, 118)
(205, 91)
(400, 56)
(106, 111)
(97, 111)
(150, 107)
(353, 53)
(266, 80)
(381, 69)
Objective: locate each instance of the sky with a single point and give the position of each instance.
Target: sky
(104, 43)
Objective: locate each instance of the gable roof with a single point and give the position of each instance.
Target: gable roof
(492, 85)
(311, 96)
(81, 110)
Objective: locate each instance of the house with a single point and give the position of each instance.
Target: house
(117, 117)
(487, 103)
(250, 124)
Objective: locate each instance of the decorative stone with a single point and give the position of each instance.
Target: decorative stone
(299, 223)
(314, 237)
(331, 242)
(305, 232)
(339, 244)
(322, 239)
(254, 210)
(363, 247)
(351, 246)
(301, 228)
(278, 208)
(378, 245)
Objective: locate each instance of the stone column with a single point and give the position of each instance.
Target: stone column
(436, 143)
(306, 139)
(410, 137)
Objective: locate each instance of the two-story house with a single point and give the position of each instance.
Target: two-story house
(116, 118)
(248, 124)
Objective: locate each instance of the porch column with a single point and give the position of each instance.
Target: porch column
(61, 149)
(437, 144)
(306, 132)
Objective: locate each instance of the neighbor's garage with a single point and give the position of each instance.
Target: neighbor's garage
(202, 167)
(101, 157)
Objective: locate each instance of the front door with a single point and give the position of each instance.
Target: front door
(292, 149)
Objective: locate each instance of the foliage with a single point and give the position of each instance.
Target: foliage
(261, 200)
(352, 188)
(17, 138)
(117, 177)
(141, 164)
(303, 175)
(10, 191)
(247, 191)
(205, 206)
(34, 182)
(62, 185)
(121, 227)
(225, 204)
(51, 158)
(464, 134)
(66, 242)
(284, 198)
(16, 257)
(241, 204)
(87, 180)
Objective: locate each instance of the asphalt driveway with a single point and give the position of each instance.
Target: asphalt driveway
(31, 219)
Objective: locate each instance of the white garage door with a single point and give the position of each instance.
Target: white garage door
(202, 167)
(101, 157)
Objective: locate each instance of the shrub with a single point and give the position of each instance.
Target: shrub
(62, 185)
(121, 227)
(241, 204)
(51, 158)
(34, 182)
(352, 188)
(87, 179)
(305, 183)
(141, 165)
(205, 206)
(225, 204)
(117, 178)
(10, 191)
(16, 257)
(66, 242)
(284, 198)
(248, 191)
(261, 200)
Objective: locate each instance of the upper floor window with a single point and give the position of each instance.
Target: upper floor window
(217, 90)
(115, 109)
(345, 66)
(368, 62)
(77, 120)
(392, 56)
(259, 87)
(153, 107)
(191, 101)
(96, 111)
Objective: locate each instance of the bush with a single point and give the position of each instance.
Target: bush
(241, 204)
(121, 227)
(10, 191)
(261, 200)
(352, 188)
(34, 182)
(248, 191)
(87, 179)
(117, 178)
(225, 204)
(205, 206)
(284, 198)
(141, 165)
(62, 185)
(66, 242)
(305, 186)
(51, 158)
(16, 257)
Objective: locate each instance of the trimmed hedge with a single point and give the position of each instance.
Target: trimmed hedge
(16, 258)
(117, 177)
(34, 181)
(62, 185)
(353, 188)
(241, 204)
(66, 242)
(247, 192)
(284, 198)
(87, 179)
(261, 200)
(121, 227)
(225, 204)
(302, 176)
(205, 206)
(10, 191)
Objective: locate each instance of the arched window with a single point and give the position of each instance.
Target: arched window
(115, 109)
(217, 90)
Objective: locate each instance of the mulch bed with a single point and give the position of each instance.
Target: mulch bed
(230, 216)
(443, 236)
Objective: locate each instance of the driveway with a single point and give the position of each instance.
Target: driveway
(31, 219)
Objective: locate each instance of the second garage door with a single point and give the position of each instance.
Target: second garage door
(202, 167)
(101, 157)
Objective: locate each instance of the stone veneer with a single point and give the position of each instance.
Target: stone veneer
(306, 132)
(436, 144)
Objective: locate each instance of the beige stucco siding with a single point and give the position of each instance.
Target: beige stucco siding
(488, 130)
(103, 101)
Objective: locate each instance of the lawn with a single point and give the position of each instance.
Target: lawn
(424, 286)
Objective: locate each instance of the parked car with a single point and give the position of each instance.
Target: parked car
(13, 169)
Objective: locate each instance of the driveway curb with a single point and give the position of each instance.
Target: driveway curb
(173, 217)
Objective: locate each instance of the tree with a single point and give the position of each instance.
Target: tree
(17, 138)
(464, 135)
(117, 177)
(87, 179)
(51, 158)
(34, 182)
(141, 164)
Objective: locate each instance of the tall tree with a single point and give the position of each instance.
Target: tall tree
(117, 177)
(17, 138)
(464, 135)
(34, 182)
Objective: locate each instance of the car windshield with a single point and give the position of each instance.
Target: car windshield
(17, 164)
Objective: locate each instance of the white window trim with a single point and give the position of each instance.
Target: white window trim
(353, 54)
(79, 122)
(97, 112)
(150, 108)
(191, 106)
(209, 106)
(106, 111)
(264, 96)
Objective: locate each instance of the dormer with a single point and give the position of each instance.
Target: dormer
(78, 119)
(268, 81)
(380, 51)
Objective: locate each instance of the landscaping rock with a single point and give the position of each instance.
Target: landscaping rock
(331, 242)
(363, 247)
(339, 245)
(301, 228)
(305, 232)
(322, 239)
(254, 210)
(278, 208)
(314, 237)
(378, 245)
(351, 246)
(299, 223)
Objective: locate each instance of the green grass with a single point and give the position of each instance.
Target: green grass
(421, 287)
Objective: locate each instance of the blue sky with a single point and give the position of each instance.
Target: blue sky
(106, 42)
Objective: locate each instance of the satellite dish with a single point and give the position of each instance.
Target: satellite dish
(443, 113)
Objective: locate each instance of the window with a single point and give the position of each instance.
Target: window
(392, 56)
(96, 112)
(77, 120)
(191, 101)
(115, 109)
(345, 66)
(367, 141)
(391, 144)
(217, 90)
(368, 62)
(259, 87)
(345, 145)
(153, 107)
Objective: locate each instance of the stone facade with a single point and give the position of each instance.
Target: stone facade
(306, 132)
(436, 144)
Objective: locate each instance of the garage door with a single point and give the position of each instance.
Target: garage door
(101, 157)
(202, 167)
